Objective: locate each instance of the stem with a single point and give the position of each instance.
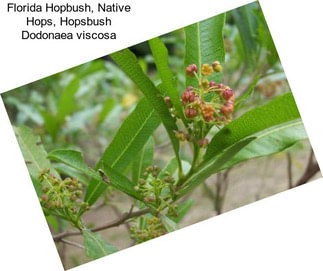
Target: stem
(117, 222)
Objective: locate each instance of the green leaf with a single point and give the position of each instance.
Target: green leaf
(212, 166)
(143, 160)
(169, 169)
(160, 54)
(106, 109)
(118, 181)
(95, 246)
(182, 209)
(169, 224)
(66, 103)
(50, 122)
(270, 141)
(127, 61)
(75, 160)
(124, 148)
(279, 110)
(33, 152)
(68, 171)
(247, 25)
(131, 137)
(204, 44)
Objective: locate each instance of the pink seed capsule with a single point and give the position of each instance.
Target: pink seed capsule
(191, 69)
(227, 93)
(190, 113)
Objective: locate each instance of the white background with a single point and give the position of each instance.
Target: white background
(282, 232)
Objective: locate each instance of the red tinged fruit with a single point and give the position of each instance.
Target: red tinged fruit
(227, 109)
(187, 97)
(190, 113)
(191, 70)
(227, 93)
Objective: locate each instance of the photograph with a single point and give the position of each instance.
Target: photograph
(161, 135)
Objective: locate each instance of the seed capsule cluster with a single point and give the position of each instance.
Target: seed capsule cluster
(208, 104)
(147, 228)
(61, 194)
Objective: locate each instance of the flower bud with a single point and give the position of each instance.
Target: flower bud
(180, 135)
(189, 88)
(191, 69)
(168, 102)
(73, 197)
(152, 198)
(44, 197)
(169, 179)
(203, 142)
(78, 193)
(45, 189)
(136, 188)
(189, 137)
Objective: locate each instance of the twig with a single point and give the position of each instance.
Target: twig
(289, 170)
(74, 244)
(119, 214)
(163, 145)
(311, 169)
(117, 222)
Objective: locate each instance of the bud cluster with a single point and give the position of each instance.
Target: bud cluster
(61, 194)
(147, 228)
(156, 189)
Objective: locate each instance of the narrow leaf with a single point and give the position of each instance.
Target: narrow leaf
(33, 152)
(270, 141)
(123, 149)
(182, 209)
(160, 54)
(169, 224)
(95, 246)
(118, 181)
(75, 160)
(247, 25)
(213, 166)
(279, 110)
(204, 44)
(169, 169)
(106, 109)
(127, 61)
(143, 160)
(66, 104)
